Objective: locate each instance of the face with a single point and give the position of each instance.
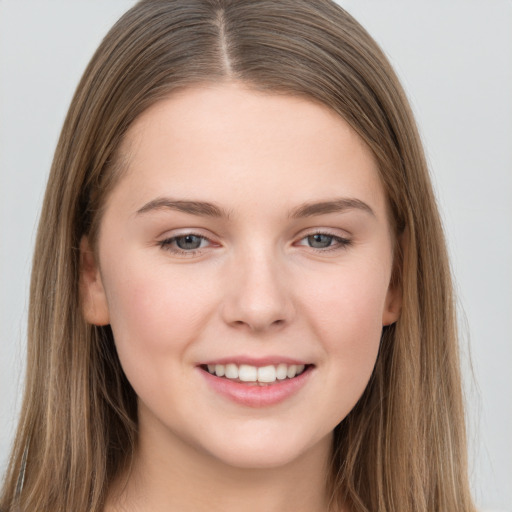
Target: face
(244, 264)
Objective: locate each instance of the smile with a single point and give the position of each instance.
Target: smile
(256, 375)
(256, 385)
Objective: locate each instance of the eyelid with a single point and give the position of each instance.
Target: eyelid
(343, 242)
(335, 232)
(166, 243)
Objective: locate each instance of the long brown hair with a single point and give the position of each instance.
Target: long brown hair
(402, 448)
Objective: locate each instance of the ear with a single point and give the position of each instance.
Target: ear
(92, 293)
(393, 303)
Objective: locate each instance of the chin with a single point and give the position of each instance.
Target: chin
(269, 451)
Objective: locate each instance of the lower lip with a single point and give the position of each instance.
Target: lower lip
(257, 395)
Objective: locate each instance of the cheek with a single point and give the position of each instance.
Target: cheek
(350, 327)
(346, 316)
(155, 314)
(350, 299)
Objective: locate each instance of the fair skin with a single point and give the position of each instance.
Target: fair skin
(288, 264)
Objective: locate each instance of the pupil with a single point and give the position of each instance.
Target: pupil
(188, 242)
(319, 241)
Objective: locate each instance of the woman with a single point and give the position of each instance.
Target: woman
(240, 294)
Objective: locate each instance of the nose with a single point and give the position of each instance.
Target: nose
(259, 295)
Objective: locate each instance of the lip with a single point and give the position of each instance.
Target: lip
(255, 395)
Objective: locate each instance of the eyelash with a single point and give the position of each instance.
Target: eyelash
(340, 242)
(168, 244)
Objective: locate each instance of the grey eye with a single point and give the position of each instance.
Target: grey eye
(189, 242)
(320, 241)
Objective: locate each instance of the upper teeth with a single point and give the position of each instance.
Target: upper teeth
(248, 373)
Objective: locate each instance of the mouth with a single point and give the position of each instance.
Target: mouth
(257, 375)
(257, 382)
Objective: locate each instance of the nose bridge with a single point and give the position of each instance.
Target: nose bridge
(259, 296)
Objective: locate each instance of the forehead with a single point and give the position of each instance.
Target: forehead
(230, 143)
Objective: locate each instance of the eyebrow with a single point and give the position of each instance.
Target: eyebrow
(200, 208)
(335, 206)
(206, 209)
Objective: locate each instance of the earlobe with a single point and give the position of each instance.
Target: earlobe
(92, 294)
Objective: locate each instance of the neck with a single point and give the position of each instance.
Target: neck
(175, 476)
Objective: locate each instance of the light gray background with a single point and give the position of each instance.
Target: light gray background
(455, 60)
